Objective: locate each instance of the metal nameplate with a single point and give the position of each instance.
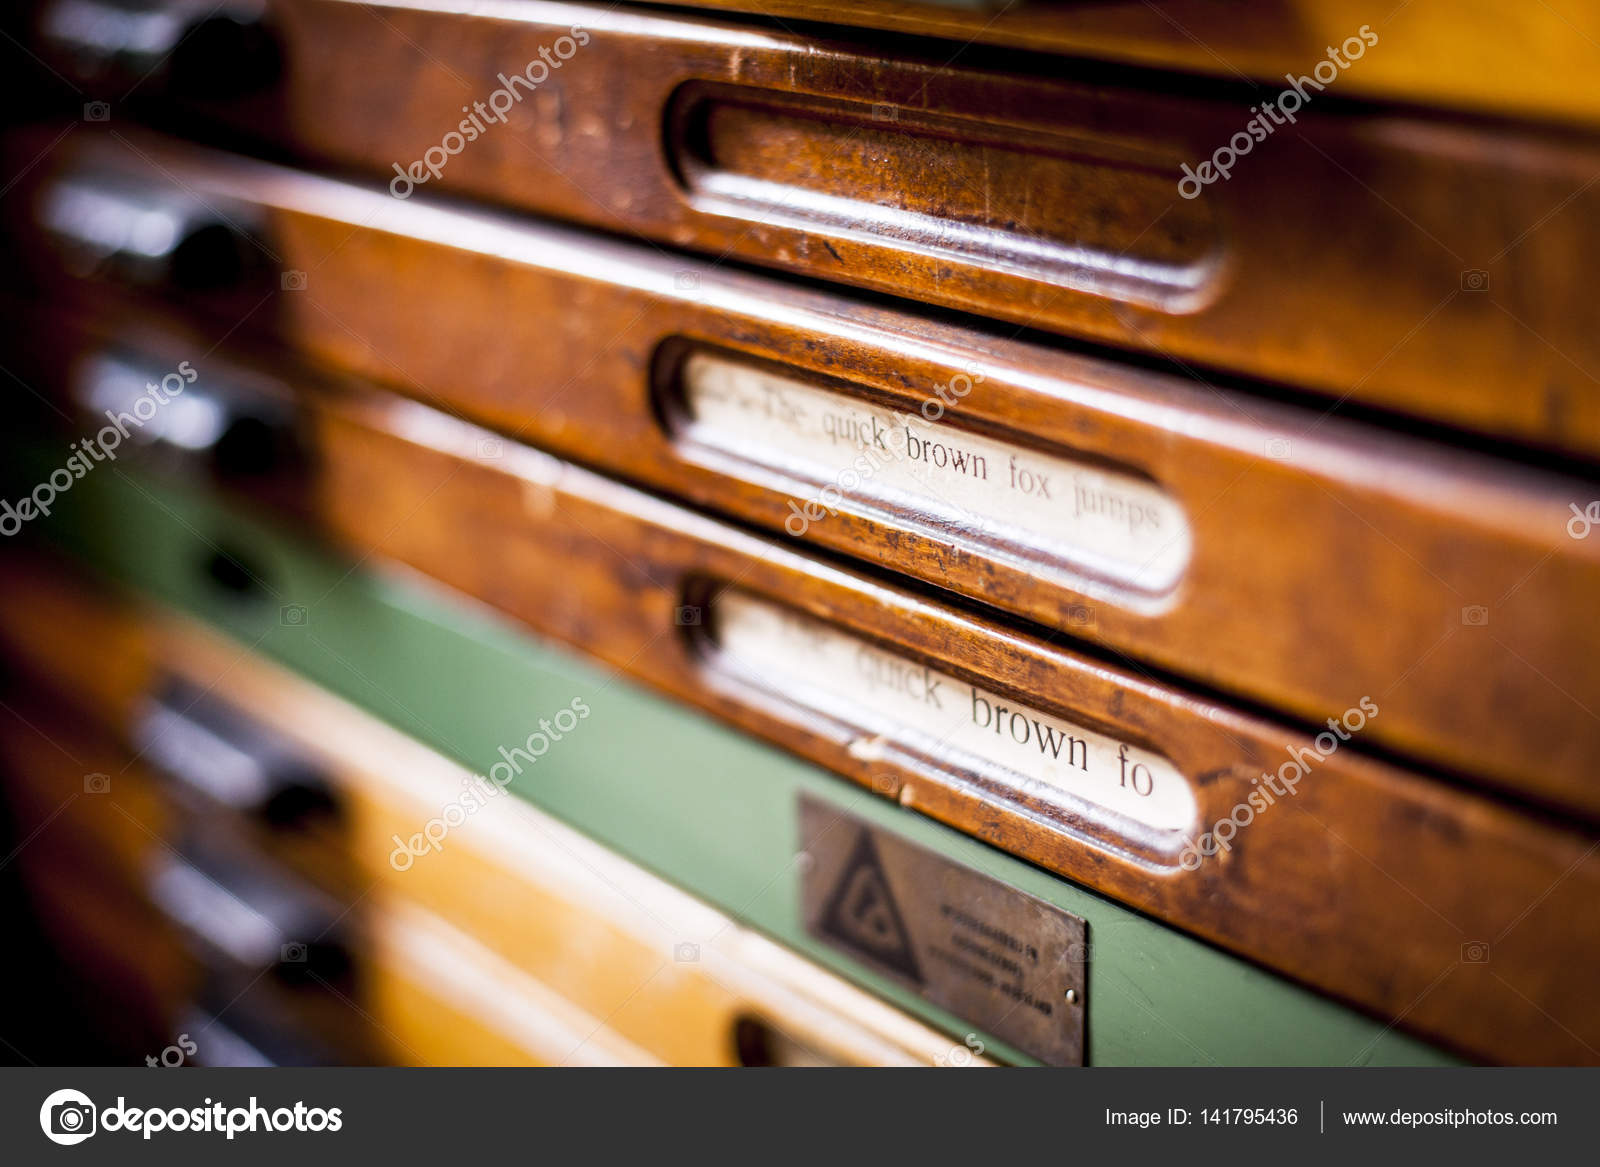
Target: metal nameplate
(1011, 965)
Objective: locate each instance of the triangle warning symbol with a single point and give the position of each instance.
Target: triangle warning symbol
(861, 913)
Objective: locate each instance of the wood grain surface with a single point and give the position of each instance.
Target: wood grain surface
(1432, 266)
(1329, 560)
(1371, 883)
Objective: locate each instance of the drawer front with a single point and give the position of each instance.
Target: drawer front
(1158, 801)
(1209, 38)
(1395, 260)
(1211, 536)
(644, 586)
(705, 805)
(513, 941)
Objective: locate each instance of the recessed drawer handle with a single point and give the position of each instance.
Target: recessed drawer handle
(1079, 214)
(214, 753)
(144, 234)
(240, 430)
(191, 48)
(245, 915)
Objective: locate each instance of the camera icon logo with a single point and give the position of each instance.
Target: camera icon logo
(687, 281)
(97, 783)
(1475, 952)
(883, 111)
(491, 448)
(67, 1117)
(294, 616)
(293, 952)
(1080, 616)
(1279, 448)
(686, 953)
(1475, 615)
(96, 111)
(294, 281)
(687, 616)
(1475, 280)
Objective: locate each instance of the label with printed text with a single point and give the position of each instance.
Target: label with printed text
(1036, 756)
(1042, 511)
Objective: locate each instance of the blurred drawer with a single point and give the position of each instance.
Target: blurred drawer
(128, 973)
(517, 940)
(73, 787)
(436, 998)
(747, 629)
(1291, 561)
(1399, 260)
(107, 860)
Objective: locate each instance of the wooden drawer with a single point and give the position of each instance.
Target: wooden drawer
(1370, 882)
(75, 789)
(129, 975)
(515, 940)
(1400, 260)
(1286, 559)
(1526, 61)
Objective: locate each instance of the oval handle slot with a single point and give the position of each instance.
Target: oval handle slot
(1072, 212)
(146, 234)
(189, 48)
(214, 753)
(243, 914)
(239, 429)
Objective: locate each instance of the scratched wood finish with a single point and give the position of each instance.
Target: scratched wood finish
(1533, 60)
(1366, 885)
(1339, 259)
(1311, 892)
(1353, 566)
